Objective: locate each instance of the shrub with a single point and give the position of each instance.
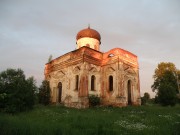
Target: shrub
(94, 100)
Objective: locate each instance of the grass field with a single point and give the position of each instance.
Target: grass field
(58, 120)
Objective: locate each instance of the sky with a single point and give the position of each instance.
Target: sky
(32, 30)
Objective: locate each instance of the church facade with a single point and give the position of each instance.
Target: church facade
(113, 76)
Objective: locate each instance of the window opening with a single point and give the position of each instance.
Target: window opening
(111, 83)
(93, 78)
(77, 82)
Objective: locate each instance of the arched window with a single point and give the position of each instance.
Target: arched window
(93, 79)
(76, 82)
(110, 83)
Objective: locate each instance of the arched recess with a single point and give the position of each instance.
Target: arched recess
(59, 92)
(129, 94)
(93, 82)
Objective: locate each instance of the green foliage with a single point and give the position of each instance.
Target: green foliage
(156, 100)
(163, 67)
(44, 93)
(94, 100)
(16, 92)
(166, 84)
(59, 120)
(145, 98)
(165, 72)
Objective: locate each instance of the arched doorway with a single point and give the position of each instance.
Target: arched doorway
(59, 92)
(129, 92)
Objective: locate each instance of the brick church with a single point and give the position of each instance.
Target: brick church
(113, 76)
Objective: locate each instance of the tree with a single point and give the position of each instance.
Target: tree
(145, 98)
(165, 79)
(16, 92)
(50, 58)
(167, 95)
(44, 93)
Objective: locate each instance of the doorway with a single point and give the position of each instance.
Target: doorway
(129, 92)
(59, 92)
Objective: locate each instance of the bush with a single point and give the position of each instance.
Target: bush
(16, 92)
(94, 100)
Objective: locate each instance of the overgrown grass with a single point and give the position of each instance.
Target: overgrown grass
(58, 120)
